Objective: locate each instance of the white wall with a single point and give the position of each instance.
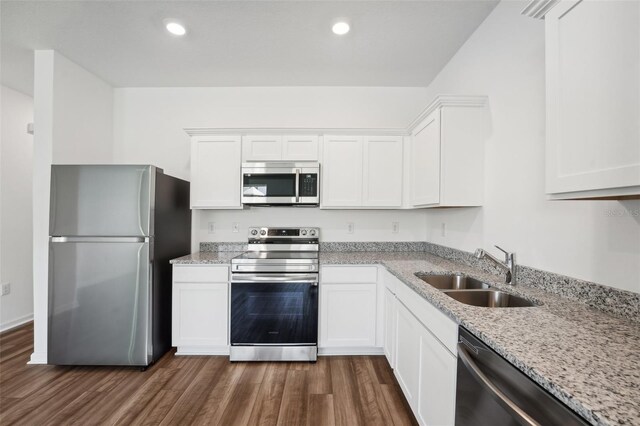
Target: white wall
(73, 112)
(16, 157)
(369, 225)
(149, 125)
(593, 240)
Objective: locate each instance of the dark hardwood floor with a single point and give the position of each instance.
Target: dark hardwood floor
(354, 390)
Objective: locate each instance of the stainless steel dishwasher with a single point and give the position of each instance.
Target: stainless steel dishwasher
(492, 392)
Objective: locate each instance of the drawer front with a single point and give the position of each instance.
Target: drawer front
(441, 326)
(200, 274)
(348, 274)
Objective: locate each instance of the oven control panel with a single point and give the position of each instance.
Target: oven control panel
(286, 233)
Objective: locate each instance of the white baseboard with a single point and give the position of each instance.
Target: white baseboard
(350, 351)
(15, 323)
(202, 350)
(38, 358)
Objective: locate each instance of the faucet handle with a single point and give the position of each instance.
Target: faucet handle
(507, 255)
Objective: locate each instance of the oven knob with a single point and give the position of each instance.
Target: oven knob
(263, 232)
(312, 232)
(254, 232)
(304, 232)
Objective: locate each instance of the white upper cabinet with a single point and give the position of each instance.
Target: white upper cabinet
(593, 99)
(261, 148)
(341, 171)
(215, 172)
(280, 148)
(382, 171)
(362, 172)
(447, 153)
(425, 161)
(300, 148)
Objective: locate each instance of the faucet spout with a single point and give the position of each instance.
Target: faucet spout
(509, 263)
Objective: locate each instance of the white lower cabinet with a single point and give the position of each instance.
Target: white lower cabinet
(200, 310)
(390, 326)
(349, 310)
(407, 353)
(436, 383)
(418, 343)
(348, 313)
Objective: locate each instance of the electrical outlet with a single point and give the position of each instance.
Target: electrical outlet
(395, 227)
(6, 288)
(235, 227)
(443, 229)
(211, 227)
(350, 227)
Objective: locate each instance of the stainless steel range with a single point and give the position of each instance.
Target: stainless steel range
(274, 296)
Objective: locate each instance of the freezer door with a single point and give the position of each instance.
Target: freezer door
(101, 200)
(99, 296)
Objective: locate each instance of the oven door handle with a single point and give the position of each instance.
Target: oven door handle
(518, 413)
(279, 278)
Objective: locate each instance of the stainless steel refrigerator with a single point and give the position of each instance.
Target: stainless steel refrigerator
(113, 230)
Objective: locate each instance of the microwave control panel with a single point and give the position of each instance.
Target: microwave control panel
(308, 185)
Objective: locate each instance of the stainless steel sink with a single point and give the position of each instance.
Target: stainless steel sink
(489, 298)
(452, 281)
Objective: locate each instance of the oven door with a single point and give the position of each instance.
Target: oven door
(282, 184)
(274, 310)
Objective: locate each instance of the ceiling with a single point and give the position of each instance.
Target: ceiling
(240, 43)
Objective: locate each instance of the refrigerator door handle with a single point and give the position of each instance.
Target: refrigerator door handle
(100, 239)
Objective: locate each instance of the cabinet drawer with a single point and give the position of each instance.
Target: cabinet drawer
(442, 327)
(348, 274)
(200, 273)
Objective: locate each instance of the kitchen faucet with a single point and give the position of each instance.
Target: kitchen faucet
(509, 263)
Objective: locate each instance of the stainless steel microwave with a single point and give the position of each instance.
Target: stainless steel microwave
(285, 184)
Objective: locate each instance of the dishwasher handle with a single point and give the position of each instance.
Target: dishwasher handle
(519, 415)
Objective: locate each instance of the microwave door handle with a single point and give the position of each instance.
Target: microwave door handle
(297, 185)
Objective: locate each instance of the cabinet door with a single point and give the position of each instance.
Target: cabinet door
(261, 148)
(200, 314)
(215, 172)
(593, 95)
(348, 315)
(437, 382)
(389, 326)
(382, 174)
(341, 171)
(407, 366)
(425, 161)
(300, 147)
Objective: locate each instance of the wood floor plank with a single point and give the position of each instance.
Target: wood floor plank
(398, 406)
(320, 376)
(157, 409)
(238, 410)
(192, 399)
(267, 406)
(293, 409)
(321, 412)
(139, 400)
(219, 396)
(373, 414)
(199, 390)
(348, 410)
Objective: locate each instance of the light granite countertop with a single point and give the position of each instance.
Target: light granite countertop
(588, 359)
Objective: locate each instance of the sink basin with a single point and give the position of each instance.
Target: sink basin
(452, 282)
(489, 298)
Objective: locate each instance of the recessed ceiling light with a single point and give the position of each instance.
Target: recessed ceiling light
(175, 28)
(340, 28)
